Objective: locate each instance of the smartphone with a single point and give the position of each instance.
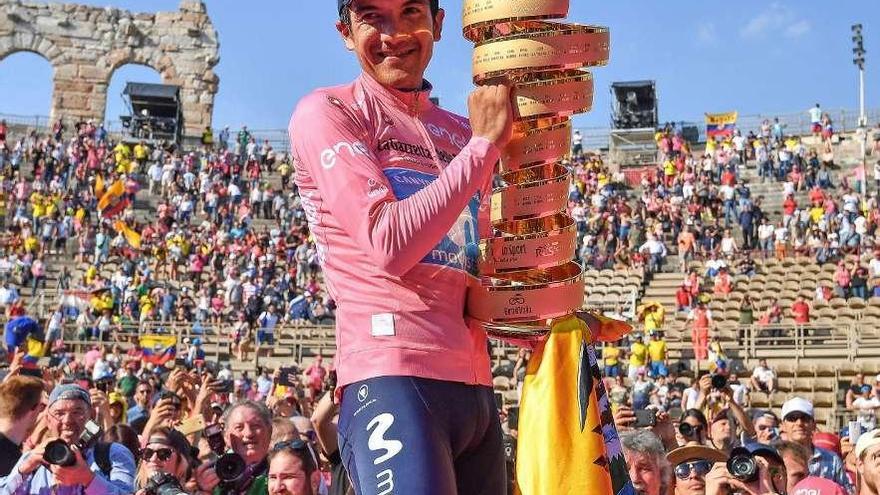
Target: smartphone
(34, 372)
(499, 400)
(223, 387)
(513, 418)
(645, 418)
(180, 362)
(287, 376)
(192, 425)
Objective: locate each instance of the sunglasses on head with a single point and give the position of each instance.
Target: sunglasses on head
(163, 453)
(291, 444)
(700, 468)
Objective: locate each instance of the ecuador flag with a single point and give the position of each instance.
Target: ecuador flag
(567, 442)
(158, 349)
(113, 201)
(133, 238)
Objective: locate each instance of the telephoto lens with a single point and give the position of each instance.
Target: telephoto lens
(229, 465)
(686, 429)
(163, 484)
(743, 467)
(58, 453)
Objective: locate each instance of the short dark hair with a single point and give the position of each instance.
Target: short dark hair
(345, 11)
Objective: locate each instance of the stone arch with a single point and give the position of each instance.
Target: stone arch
(86, 44)
(24, 41)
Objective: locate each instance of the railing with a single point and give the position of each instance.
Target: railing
(797, 123)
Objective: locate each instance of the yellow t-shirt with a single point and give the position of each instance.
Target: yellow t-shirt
(654, 319)
(140, 152)
(657, 350)
(611, 355)
(816, 213)
(638, 352)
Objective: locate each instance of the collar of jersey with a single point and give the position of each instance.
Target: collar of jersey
(414, 102)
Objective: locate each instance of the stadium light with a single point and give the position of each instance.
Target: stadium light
(859, 61)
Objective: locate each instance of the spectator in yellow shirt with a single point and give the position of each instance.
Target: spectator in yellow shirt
(611, 355)
(659, 355)
(638, 356)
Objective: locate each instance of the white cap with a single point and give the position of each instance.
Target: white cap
(797, 404)
(866, 441)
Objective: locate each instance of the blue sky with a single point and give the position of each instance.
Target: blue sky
(751, 56)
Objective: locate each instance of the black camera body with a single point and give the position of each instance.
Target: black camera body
(163, 484)
(229, 466)
(743, 467)
(719, 382)
(59, 453)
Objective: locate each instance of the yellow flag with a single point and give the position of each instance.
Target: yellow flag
(567, 441)
(133, 238)
(99, 186)
(115, 191)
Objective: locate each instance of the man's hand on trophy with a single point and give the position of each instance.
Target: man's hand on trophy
(490, 109)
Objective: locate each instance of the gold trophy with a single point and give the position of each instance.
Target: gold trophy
(527, 276)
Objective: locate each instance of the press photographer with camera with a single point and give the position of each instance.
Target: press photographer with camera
(165, 465)
(72, 457)
(753, 469)
(726, 415)
(247, 434)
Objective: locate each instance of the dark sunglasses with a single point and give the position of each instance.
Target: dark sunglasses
(795, 417)
(164, 454)
(700, 468)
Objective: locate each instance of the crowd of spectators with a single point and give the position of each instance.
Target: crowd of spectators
(225, 239)
(111, 424)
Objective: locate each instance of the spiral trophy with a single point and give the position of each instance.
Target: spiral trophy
(526, 274)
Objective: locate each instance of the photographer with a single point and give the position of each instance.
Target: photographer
(754, 469)
(110, 471)
(716, 394)
(167, 452)
(248, 430)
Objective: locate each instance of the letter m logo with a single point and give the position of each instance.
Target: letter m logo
(377, 442)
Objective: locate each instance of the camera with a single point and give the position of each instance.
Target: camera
(719, 382)
(163, 484)
(688, 430)
(229, 466)
(743, 467)
(59, 453)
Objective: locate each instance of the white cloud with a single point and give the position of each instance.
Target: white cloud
(776, 18)
(707, 33)
(798, 29)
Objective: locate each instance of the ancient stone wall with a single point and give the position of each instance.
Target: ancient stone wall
(86, 44)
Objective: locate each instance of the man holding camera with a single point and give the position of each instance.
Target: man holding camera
(72, 465)
(247, 433)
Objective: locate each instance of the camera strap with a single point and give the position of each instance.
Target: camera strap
(102, 458)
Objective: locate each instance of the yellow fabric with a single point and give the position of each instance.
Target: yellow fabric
(115, 191)
(610, 355)
(99, 186)
(638, 353)
(133, 238)
(657, 350)
(561, 448)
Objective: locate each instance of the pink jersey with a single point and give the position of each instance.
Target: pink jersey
(391, 185)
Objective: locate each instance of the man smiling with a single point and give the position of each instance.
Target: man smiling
(392, 188)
